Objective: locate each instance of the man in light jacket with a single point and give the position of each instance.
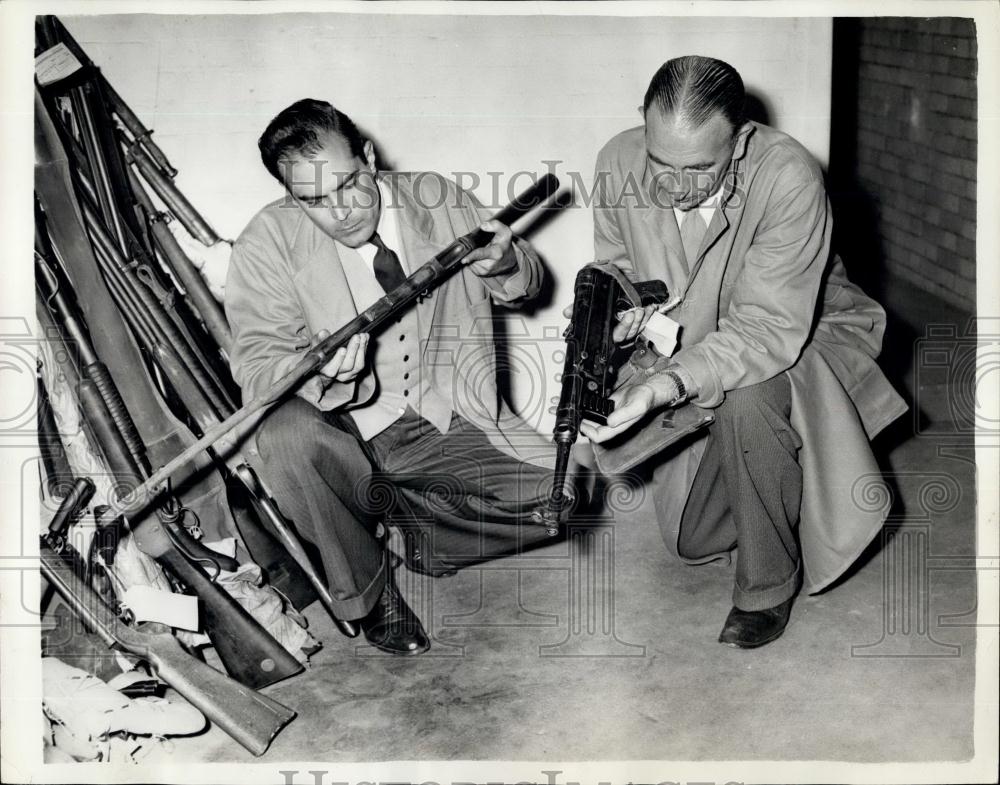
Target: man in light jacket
(407, 425)
(775, 341)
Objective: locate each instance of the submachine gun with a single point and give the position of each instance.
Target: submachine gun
(592, 360)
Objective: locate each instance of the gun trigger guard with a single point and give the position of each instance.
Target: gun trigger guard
(145, 275)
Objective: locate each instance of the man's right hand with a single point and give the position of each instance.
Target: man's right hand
(348, 361)
(630, 322)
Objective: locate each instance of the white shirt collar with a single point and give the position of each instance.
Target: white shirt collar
(388, 230)
(705, 210)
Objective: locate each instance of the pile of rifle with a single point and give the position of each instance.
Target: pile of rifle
(144, 345)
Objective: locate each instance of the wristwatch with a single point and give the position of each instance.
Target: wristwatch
(682, 393)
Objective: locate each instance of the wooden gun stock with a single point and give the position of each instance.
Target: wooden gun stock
(246, 649)
(250, 718)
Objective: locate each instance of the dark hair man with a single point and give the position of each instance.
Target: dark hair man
(408, 424)
(775, 340)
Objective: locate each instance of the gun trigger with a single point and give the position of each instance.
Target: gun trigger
(146, 276)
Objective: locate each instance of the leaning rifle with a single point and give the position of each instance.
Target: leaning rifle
(247, 716)
(384, 310)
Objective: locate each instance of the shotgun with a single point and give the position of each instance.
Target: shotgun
(162, 434)
(384, 310)
(57, 468)
(246, 649)
(250, 718)
(249, 653)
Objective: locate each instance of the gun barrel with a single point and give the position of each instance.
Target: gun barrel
(425, 277)
(294, 546)
(172, 197)
(250, 718)
(203, 302)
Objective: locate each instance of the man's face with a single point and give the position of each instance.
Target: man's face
(337, 190)
(687, 164)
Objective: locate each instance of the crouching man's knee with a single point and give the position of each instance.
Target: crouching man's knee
(773, 396)
(296, 432)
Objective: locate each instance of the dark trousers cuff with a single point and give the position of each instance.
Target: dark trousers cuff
(762, 599)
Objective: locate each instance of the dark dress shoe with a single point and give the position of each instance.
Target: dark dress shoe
(750, 629)
(392, 627)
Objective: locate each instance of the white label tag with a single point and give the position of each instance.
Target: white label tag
(662, 332)
(174, 610)
(225, 546)
(55, 64)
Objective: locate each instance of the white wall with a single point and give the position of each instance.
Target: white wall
(450, 93)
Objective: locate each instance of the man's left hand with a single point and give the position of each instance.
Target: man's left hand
(497, 257)
(632, 403)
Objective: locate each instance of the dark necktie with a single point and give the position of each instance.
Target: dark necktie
(388, 271)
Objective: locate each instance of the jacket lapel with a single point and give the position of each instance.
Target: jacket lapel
(662, 225)
(720, 220)
(718, 227)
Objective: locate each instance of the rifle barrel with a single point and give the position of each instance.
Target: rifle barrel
(383, 310)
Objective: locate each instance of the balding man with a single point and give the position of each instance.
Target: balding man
(775, 341)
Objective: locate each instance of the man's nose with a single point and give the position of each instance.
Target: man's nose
(340, 211)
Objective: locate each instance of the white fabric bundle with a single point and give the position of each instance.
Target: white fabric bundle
(85, 711)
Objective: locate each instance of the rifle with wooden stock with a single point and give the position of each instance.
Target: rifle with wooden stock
(147, 302)
(246, 649)
(425, 278)
(250, 718)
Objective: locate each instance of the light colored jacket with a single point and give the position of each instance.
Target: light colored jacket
(286, 283)
(764, 296)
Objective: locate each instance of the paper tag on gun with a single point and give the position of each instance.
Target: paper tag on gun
(174, 610)
(55, 64)
(662, 332)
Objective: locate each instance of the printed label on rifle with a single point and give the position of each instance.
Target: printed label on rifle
(174, 610)
(55, 64)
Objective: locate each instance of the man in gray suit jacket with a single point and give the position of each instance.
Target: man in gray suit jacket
(775, 340)
(406, 424)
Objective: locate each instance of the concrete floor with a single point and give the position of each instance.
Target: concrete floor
(878, 668)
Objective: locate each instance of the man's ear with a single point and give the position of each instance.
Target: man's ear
(369, 149)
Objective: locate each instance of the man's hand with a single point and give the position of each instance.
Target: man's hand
(632, 403)
(498, 256)
(631, 323)
(348, 361)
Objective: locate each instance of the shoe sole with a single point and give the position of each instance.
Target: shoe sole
(398, 652)
(758, 644)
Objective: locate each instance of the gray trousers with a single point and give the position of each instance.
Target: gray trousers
(455, 496)
(746, 494)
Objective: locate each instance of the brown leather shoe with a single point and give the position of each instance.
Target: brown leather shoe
(750, 629)
(392, 627)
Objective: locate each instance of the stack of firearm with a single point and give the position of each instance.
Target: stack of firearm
(145, 345)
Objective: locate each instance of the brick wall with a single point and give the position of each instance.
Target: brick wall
(913, 154)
